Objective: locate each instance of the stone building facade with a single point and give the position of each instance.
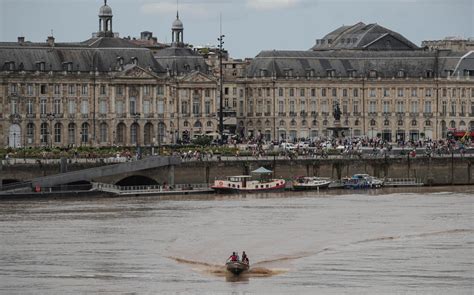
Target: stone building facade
(111, 91)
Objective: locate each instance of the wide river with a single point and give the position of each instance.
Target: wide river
(415, 241)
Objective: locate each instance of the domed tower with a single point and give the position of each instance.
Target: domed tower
(177, 32)
(105, 21)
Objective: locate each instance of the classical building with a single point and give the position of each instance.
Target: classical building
(385, 85)
(450, 43)
(112, 91)
(103, 91)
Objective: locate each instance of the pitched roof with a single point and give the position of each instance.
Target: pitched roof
(361, 36)
(387, 64)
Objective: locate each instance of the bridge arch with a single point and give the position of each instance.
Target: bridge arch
(136, 180)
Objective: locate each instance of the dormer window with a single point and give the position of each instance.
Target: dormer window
(134, 60)
(429, 74)
(198, 68)
(67, 66)
(372, 74)
(120, 61)
(288, 73)
(351, 73)
(401, 74)
(309, 73)
(331, 73)
(187, 67)
(263, 73)
(11, 66)
(449, 72)
(41, 66)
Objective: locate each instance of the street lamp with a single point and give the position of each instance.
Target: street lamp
(14, 140)
(221, 80)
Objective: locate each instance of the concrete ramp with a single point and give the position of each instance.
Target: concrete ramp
(93, 173)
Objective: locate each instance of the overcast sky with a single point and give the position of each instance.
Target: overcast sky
(249, 25)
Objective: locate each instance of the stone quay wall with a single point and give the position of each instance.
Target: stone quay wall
(431, 171)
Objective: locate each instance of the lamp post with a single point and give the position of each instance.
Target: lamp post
(221, 80)
(14, 140)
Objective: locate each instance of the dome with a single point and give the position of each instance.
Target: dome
(177, 24)
(105, 10)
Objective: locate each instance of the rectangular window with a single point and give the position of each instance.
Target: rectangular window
(313, 92)
(372, 106)
(280, 91)
(414, 92)
(43, 106)
(133, 105)
(400, 92)
(414, 106)
(323, 92)
(372, 92)
(427, 106)
(119, 90)
(207, 93)
(84, 107)
(14, 107)
(400, 107)
(302, 92)
(281, 106)
(146, 107)
(29, 89)
(197, 107)
(234, 91)
(160, 90)
(85, 89)
(161, 106)
(43, 89)
(29, 107)
(71, 106)
(207, 107)
(292, 92)
(146, 89)
(57, 106)
(428, 92)
(71, 89)
(314, 106)
(356, 92)
(103, 90)
(303, 105)
(344, 92)
(57, 89)
(103, 107)
(13, 88)
(386, 107)
(386, 92)
(334, 92)
(119, 109)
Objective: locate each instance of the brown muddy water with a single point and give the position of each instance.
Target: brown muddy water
(417, 240)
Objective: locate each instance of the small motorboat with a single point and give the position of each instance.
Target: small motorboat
(236, 267)
(358, 181)
(310, 183)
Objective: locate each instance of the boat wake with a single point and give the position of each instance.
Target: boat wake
(221, 271)
(262, 268)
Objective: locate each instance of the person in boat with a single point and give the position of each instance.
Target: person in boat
(233, 257)
(245, 258)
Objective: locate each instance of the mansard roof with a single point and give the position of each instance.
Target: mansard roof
(345, 63)
(364, 37)
(104, 54)
(180, 60)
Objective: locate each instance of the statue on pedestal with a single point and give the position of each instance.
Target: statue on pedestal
(337, 112)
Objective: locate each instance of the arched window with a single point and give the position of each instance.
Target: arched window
(357, 122)
(85, 133)
(428, 123)
(452, 124)
(147, 134)
(314, 123)
(372, 122)
(386, 122)
(121, 133)
(161, 132)
(44, 132)
(30, 133)
(71, 133)
(57, 132)
(103, 130)
(186, 124)
(134, 129)
(197, 124)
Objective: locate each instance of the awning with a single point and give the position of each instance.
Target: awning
(262, 170)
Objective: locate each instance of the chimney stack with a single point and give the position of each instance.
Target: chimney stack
(21, 40)
(50, 41)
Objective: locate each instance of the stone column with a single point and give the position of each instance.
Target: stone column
(171, 175)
